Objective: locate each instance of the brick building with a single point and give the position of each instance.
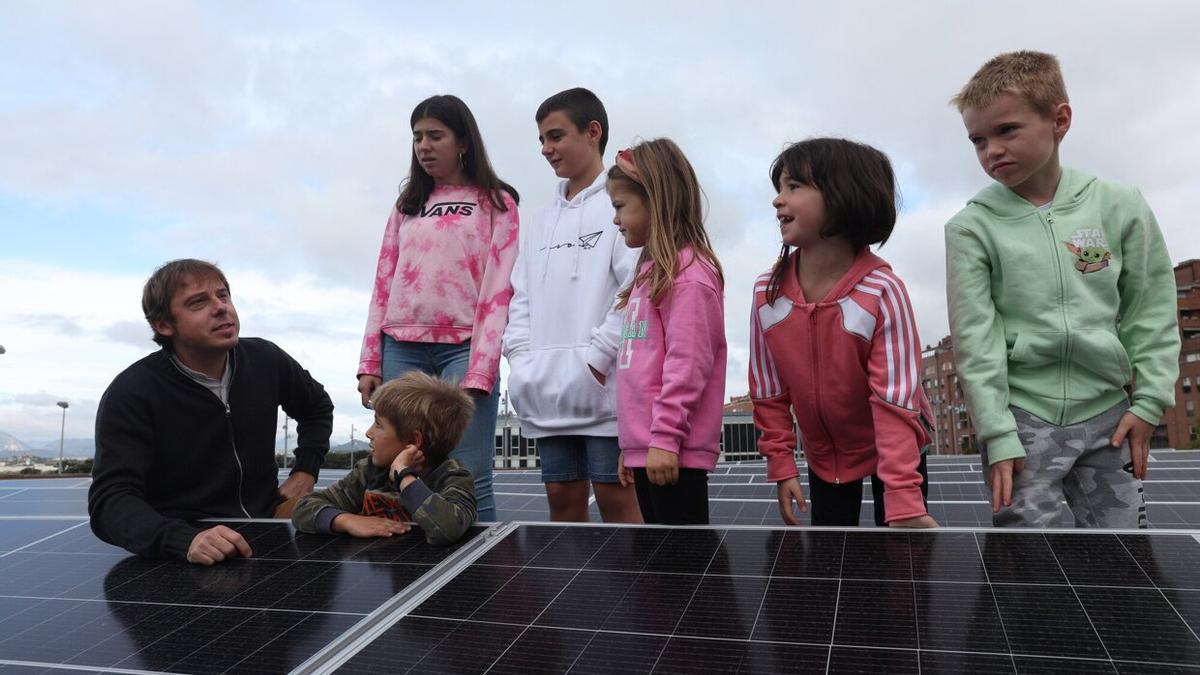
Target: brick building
(739, 405)
(953, 432)
(1180, 421)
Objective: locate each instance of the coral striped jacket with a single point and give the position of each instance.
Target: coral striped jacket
(849, 366)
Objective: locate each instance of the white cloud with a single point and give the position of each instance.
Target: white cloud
(272, 138)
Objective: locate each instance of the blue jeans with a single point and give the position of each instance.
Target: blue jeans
(568, 458)
(478, 445)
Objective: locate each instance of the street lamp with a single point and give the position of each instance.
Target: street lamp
(286, 419)
(62, 436)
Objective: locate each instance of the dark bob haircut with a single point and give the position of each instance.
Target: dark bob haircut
(857, 184)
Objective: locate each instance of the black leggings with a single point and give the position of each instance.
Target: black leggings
(684, 503)
(840, 503)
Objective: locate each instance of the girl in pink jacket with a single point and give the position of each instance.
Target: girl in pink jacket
(671, 363)
(442, 286)
(833, 340)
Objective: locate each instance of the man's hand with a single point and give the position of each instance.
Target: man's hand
(919, 521)
(215, 544)
(297, 485)
(1000, 478)
(600, 377)
(366, 527)
(1138, 431)
(411, 455)
(790, 491)
(624, 473)
(662, 467)
(367, 384)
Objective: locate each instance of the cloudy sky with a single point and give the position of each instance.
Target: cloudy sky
(271, 137)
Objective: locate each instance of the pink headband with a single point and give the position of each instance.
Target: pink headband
(625, 162)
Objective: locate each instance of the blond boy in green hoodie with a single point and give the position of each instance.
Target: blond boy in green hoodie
(1062, 307)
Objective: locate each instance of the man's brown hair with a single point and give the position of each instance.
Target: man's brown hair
(161, 287)
(1034, 76)
(438, 408)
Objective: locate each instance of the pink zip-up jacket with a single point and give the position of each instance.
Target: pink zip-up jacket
(671, 368)
(444, 277)
(849, 366)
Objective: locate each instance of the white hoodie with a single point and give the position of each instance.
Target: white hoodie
(572, 261)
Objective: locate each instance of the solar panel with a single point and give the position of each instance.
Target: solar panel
(558, 598)
(68, 600)
(532, 598)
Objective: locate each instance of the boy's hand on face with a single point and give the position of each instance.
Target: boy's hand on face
(411, 455)
(919, 521)
(662, 467)
(1000, 479)
(1138, 432)
(366, 527)
(790, 491)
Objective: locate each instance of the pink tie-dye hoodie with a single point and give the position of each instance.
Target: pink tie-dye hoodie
(444, 277)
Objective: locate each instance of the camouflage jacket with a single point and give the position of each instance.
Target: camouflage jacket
(442, 502)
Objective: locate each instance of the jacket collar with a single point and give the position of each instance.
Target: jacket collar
(1005, 203)
(865, 263)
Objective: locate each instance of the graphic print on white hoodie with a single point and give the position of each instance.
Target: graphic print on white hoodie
(571, 263)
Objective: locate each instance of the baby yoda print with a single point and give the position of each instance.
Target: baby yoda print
(1091, 248)
(1091, 258)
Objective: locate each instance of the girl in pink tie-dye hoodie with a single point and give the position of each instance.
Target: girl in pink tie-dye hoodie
(440, 303)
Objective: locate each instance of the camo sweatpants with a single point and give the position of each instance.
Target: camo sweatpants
(1079, 464)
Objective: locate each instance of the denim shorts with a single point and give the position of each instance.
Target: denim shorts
(566, 458)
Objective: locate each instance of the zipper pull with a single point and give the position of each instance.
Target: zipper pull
(228, 413)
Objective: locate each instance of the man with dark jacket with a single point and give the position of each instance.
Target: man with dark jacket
(188, 432)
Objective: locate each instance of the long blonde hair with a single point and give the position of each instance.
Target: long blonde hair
(667, 184)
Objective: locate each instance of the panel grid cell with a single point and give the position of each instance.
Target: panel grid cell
(740, 600)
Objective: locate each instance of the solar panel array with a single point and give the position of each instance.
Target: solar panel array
(580, 599)
(740, 495)
(67, 598)
(529, 597)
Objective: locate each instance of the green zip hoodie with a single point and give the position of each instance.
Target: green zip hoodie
(1056, 310)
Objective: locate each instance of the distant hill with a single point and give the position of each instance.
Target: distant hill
(72, 447)
(11, 445)
(359, 446)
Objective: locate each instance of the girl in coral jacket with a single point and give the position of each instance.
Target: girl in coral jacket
(671, 364)
(833, 340)
(442, 286)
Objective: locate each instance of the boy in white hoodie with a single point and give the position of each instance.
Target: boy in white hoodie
(562, 336)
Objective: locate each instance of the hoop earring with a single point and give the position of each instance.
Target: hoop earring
(462, 162)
